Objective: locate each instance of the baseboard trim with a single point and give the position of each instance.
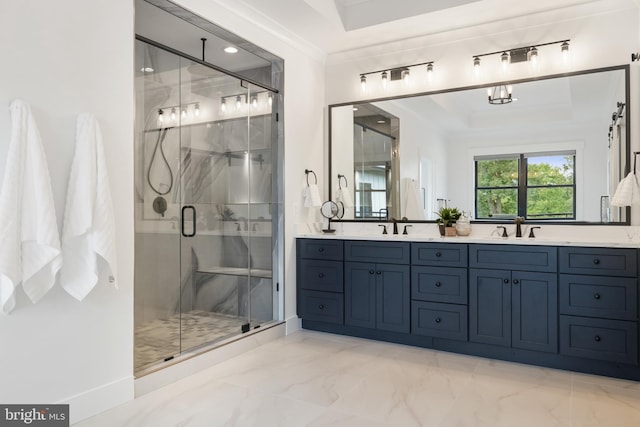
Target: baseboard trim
(99, 399)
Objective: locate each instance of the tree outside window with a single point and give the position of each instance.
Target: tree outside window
(535, 186)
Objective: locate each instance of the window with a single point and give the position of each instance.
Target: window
(535, 186)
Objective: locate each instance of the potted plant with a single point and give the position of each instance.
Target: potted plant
(447, 217)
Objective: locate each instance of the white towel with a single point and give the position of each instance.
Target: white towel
(312, 196)
(30, 248)
(628, 191)
(344, 196)
(88, 234)
(411, 206)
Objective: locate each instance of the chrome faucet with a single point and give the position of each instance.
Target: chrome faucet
(519, 220)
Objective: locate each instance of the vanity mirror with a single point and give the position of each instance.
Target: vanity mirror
(553, 150)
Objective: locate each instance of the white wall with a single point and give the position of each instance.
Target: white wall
(64, 58)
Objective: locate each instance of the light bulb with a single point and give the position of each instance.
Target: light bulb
(197, 109)
(476, 65)
(238, 103)
(504, 58)
(160, 116)
(184, 113)
(405, 76)
(533, 56)
(385, 79)
(564, 48)
(270, 99)
(509, 89)
(502, 94)
(429, 71)
(489, 92)
(223, 105)
(254, 101)
(363, 82)
(173, 114)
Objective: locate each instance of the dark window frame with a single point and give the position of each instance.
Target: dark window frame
(522, 187)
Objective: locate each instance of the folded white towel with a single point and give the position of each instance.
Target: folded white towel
(344, 196)
(89, 227)
(312, 196)
(30, 249)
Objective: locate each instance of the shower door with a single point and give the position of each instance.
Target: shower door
(206, 207)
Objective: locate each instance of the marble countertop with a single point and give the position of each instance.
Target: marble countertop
(548, 235)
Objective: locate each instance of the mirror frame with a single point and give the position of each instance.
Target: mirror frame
(627, 81)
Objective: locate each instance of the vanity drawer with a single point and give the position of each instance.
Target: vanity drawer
(377, 252)
(320, 275)
(439, 284)
(439, 320)
(439, 254)
(602, 339)
(598, 261)
(599, 296)
(320, 249)
(321, 306)
(514, 257)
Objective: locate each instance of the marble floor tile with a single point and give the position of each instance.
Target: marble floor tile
(316, 379)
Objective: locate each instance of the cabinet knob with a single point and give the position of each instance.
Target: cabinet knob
(378, 272)
(596, 296)
(596, 261)
(597, 338)
(438, 320)
(321, 306)
(516, 281)
(321, 275)
(320, 249)
(505, 280)
(438, 284)
(438, 254)
(371, 271)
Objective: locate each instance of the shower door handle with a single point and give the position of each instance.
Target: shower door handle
(193, 212)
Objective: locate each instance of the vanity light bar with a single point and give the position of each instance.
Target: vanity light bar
(172, 112)
(240, 99)
(396, 73)
(521, 54)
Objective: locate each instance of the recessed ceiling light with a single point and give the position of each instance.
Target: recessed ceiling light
(231, 49)
(381, 121)
(147, 70)
(355, 108)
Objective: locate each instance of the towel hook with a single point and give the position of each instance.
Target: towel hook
(346, 184)
(635, 157)
(308, 171)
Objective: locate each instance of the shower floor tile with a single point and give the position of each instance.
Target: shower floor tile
(161, 338)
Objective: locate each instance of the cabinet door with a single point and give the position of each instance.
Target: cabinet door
(490, 306)
(360, 294)
(534, 305)
(393, 287)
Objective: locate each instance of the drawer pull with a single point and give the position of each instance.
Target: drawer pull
(378, 272)
(438, 284)
(438, 320)
(596, 296)
(321, 306)
(320, 275)
(597, 338)
(516, 281)
(320, 249)
(505, 280)
(438, 254)
(596, 261)
(371, 271)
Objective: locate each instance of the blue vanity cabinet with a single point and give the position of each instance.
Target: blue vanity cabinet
(377, 293)
(599, 304)
(439, 290)
(513, 308)
(320, 280)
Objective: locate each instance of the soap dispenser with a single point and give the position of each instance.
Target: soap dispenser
(463, 225)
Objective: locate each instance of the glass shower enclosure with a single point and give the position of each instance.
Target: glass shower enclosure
(207, 207)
